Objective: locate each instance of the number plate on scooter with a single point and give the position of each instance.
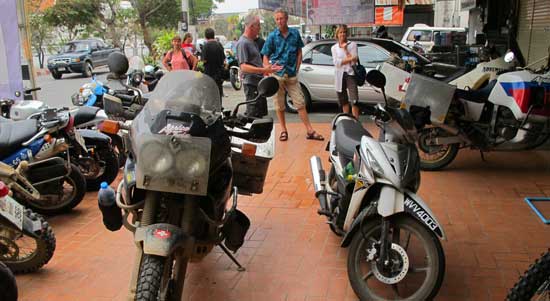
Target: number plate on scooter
(80, 140)
(13, 211)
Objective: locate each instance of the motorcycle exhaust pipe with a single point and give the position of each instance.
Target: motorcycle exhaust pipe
(319, 178)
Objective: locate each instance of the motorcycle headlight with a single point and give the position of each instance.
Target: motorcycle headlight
(191, 163)
(77, 99)
(376, 168)
(161, 158)
(136, 78)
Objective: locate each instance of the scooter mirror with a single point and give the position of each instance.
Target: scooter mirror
(376, 78)
(509, 57)
(268, 86)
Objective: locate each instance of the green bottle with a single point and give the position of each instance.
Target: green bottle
(349, 172)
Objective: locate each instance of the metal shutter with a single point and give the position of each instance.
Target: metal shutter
(534, 29)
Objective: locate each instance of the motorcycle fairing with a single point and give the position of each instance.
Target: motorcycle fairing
(160, 239)
(523, 94)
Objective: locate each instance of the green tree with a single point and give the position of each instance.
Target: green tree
(71, 16)
(40, 32)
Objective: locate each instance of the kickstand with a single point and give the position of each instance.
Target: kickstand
(226, 251)
(482, 156)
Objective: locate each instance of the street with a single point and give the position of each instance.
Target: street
(57, 93)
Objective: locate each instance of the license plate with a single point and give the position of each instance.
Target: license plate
(13, 211)
(61, 69)
(80, 140)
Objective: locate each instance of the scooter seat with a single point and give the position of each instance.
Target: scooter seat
(12, 134)
(478, 96)
(85, 114)
(348, 135)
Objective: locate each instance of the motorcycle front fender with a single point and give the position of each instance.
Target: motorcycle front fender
(391, 204)
(160, 239)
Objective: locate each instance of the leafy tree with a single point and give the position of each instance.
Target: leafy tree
(40, 32)
(71, 16)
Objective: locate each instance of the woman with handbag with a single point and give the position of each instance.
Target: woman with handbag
(344, 56)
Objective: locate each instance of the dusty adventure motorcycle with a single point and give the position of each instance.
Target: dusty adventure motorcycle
(369, 197)
(178, 199)
(511, 113)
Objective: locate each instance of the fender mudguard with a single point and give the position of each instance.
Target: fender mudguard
(160, 239)
(408, 203)
(94, 137)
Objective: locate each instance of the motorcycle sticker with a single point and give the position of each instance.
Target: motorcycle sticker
(162, 234)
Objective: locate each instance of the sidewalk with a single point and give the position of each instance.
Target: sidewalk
(290, 253)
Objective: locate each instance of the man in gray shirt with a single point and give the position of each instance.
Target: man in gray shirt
(252, 67)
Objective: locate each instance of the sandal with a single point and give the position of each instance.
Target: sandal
(283, 136)
(314, 136)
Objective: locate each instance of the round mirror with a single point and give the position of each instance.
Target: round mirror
(376, 78)
(268, 86)
(118, 63)
(509, 57)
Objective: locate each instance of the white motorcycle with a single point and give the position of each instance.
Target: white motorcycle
(369, 197)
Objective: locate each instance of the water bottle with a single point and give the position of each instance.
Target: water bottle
(112, 216)
(349, 172)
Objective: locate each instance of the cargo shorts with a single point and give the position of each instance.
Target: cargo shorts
(292, 86)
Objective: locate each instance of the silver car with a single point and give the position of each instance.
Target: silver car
(316, 74)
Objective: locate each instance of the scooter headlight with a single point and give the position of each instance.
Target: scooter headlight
(376, 168)
(191, 163)
(161, 159)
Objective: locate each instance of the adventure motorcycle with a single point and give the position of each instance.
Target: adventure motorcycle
(27, 241)
(232, 70)
(534, 284)
(141, 76)
(178, 200)
(511, 113)
(369, 197)
(97, 159)
(42, 146)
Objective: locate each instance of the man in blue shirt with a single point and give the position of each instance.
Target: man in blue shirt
(284, 47)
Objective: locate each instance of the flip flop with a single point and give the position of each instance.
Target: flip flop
(314, 136)
(283, 136)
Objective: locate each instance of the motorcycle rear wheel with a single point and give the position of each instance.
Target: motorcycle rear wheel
(536, 280)
(434, 157)
(431, 262)
(41, 247)
(109, 171)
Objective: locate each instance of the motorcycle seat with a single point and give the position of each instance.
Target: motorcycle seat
(85, 114)
(12, 134)
(478, 96)
(348, 135)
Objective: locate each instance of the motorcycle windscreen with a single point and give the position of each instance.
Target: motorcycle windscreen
(135, 64)
(426, 92)
(169, 158)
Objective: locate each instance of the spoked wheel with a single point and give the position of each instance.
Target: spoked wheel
(156, 279)
(415, 268)
(60, 196)
(434, 157)
(535, 283)
(26, 252)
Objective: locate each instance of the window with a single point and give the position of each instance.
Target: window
(425, 35)
(371, 55)
(100, 44)
(320, 55)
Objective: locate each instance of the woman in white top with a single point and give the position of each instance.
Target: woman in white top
(344, 55)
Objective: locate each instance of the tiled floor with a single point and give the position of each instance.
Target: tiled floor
(290, 254)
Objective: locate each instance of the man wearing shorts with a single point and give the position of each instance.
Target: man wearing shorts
(284, 47)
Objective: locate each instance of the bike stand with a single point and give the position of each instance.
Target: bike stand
(228, 253)
(530, 201)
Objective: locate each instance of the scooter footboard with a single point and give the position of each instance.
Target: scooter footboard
(161, 239)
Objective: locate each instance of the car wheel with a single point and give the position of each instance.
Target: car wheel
(87, 70)
(289, 105)
(56, 74)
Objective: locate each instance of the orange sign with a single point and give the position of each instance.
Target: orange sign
(389, 16)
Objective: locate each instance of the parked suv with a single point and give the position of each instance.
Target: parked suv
(80, 56)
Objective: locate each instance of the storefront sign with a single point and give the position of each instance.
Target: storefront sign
(293, 7)
(389, 16)
(10, 51)
(323, 12)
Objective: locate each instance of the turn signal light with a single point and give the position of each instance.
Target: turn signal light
(249, 149)
(48, 138)
(109, 126)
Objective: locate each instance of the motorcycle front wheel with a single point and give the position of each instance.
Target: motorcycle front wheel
(535, 283)
(156, 279)
(434, 157)
(26, 252)
(234, 78)
(416, 262)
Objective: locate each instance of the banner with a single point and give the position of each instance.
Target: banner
(293, 7)
(389, 16)
(11, 79)
(349, 12)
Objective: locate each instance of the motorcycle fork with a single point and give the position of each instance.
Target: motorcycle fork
(182, 256)
(384, 242)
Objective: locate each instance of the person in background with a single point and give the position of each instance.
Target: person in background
(178, 58)
(251, 65)
(188, 43)
(284, 47)
(344, 55)
(259, 42)
(213, 57)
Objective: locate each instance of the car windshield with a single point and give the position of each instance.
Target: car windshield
(75, 47)
(186, 91)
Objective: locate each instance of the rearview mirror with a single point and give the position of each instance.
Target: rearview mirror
(268, 86)
(376, 78)
(260, 130)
